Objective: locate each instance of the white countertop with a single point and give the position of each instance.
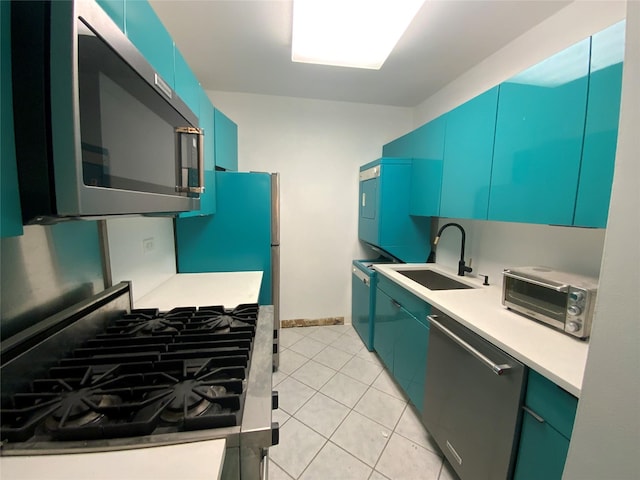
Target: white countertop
(188, 461)
(557, 356)
(202, 289)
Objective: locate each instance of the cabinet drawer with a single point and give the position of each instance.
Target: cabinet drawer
(555, 405)
(412, 304)
(542, 452)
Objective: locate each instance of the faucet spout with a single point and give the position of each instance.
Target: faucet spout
(462, 267)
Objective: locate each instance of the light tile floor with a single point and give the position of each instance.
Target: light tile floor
(343, 417)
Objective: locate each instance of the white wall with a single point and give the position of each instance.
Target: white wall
(606, 434)
(142, 250)
(496, 245)
(317, 146)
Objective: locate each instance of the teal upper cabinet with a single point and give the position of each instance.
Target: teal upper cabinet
(208, 198)
(538, 140)
(226, 142)
(426, 170)
(402, 147)
(10, 213)
(147, 33)
(115, 9)
(601, 130)
(187, 85)
(468, 155)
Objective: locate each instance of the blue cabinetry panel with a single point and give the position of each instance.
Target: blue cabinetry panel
(10, 213)
(385, 327)
(402, 147)
(601, 129)
(386, 222)
(226, 142)
(148, 34)
(538, 144)
(187, 85)
(401, 337)
(427, 153)
(546, 430)
(115, 9)
(468, 155)
(410, 357)
(237, 237)
(542, 452)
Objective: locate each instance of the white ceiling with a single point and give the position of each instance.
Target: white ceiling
(245, 46)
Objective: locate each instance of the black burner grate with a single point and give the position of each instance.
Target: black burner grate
(149, 372)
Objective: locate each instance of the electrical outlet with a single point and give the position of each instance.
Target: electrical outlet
(148, 245)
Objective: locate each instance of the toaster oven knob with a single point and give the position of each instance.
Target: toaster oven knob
(572, 327)
(576, 297)
(574, 310)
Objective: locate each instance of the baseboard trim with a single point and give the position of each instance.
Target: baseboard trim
(311, 322)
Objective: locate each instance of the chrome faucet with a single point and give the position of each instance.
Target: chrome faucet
(462, 268)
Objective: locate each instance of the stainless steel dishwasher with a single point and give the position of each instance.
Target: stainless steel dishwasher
(473, 394)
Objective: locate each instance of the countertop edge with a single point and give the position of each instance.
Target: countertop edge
(558, 357)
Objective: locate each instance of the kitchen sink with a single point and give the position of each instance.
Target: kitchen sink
(434, 280)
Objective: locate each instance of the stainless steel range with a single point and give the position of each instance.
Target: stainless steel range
(101, 376)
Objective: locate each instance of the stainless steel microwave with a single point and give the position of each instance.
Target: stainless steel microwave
(98, 132)
(561, 300)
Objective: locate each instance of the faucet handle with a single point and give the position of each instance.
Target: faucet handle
(486, 279)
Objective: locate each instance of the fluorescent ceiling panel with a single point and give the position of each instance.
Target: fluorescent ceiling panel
(349, 33)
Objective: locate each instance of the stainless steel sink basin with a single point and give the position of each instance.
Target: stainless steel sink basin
(433, 280)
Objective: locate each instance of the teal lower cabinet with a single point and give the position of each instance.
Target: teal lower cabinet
(386, 320)
(410, 356)
(547, 423)
(401, 337)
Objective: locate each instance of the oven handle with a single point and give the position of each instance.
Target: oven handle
(265, 466)
(563, 288)
(200, 133)
(494, 367)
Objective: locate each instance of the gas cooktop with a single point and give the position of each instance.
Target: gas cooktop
(146, 372)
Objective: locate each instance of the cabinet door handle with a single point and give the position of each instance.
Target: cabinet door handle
(537, 417)
(395, 303)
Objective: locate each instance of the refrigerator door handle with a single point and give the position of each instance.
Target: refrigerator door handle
(275, 209)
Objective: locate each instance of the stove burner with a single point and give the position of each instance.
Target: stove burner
(80, 408)
(221, 324)
(152, 327)
(191, 399)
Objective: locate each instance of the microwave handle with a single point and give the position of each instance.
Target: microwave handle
(200, 133)
(564, 288)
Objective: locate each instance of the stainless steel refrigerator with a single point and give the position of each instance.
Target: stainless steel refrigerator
(243, 235)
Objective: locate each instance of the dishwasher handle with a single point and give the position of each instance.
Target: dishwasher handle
(494, 367)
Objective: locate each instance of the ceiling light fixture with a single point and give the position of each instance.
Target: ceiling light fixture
(349, 33)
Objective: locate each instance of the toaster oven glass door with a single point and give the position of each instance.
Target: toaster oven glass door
(541, 300)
